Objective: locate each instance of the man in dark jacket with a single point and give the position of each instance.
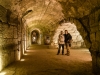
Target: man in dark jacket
(68, 39)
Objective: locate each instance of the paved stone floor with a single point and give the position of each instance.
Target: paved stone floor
(46, 62)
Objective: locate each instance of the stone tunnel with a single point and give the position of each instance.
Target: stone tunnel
(27, 22)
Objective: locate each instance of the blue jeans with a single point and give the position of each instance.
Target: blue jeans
(61, 45)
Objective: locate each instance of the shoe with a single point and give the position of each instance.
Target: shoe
(57, 53)
(67, 54)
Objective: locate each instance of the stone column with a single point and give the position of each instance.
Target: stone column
(96, 54)
(96, 62)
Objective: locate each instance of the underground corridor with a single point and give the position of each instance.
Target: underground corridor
(29, 33)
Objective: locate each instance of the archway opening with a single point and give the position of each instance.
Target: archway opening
(77, 40)
(34, 37)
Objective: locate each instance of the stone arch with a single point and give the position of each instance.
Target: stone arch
(88, 27)
(77, 42)
(34, 37)
(86, 14)
(35, 32)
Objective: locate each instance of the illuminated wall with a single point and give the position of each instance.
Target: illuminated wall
(10, 38)
(77, 38)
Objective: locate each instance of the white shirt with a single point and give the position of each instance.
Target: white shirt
(61, 39)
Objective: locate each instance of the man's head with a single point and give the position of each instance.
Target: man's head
(66, 31)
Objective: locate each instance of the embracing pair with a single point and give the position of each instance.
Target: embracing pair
(64, 39)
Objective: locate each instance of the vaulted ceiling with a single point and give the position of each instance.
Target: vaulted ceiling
(48, 12)
(45, 12)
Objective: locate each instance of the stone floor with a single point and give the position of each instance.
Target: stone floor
(46, 62)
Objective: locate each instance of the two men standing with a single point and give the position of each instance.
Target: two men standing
(64, 39)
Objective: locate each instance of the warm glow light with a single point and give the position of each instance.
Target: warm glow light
(23, 48)
(19, 52)
(86, 50)
(25, 43)
(19, 55)
(72, 29)
(25, 54)
(22, 60)
(0, 63)
(30, 50)
(3, 73)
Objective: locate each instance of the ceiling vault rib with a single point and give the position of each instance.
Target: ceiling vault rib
(43, 13)
(57, 15)
(40, 13)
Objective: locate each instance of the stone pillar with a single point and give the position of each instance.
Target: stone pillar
(95, 52)
(96, 62)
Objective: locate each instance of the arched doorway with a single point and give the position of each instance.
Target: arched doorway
(34, 37)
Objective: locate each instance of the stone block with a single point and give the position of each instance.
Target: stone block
(73, 34)
(78, 43)
(97, 13)
(78, 25)
(99, 46)
(94, 24)
(83, 44)
(1, 35)
(0, 26)
(74, 37)
(85, 21)
(94, 62)
(3, 14)
(83, 33)
(94, 46)
(12, 58)
(15, 32)
(92, 19)
(8, 32)
(98, 63)
(79, 38)
(94, 29)
(77, 33)
(98, 36)
(88, 44)
(92, 37)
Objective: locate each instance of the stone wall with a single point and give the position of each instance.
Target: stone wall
(95, 39)
(77, 42)
(8, 44)
(88, 27)
(10, 35)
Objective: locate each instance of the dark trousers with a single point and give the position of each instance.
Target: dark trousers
(61, 45)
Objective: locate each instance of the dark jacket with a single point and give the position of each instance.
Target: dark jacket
(68, 37)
